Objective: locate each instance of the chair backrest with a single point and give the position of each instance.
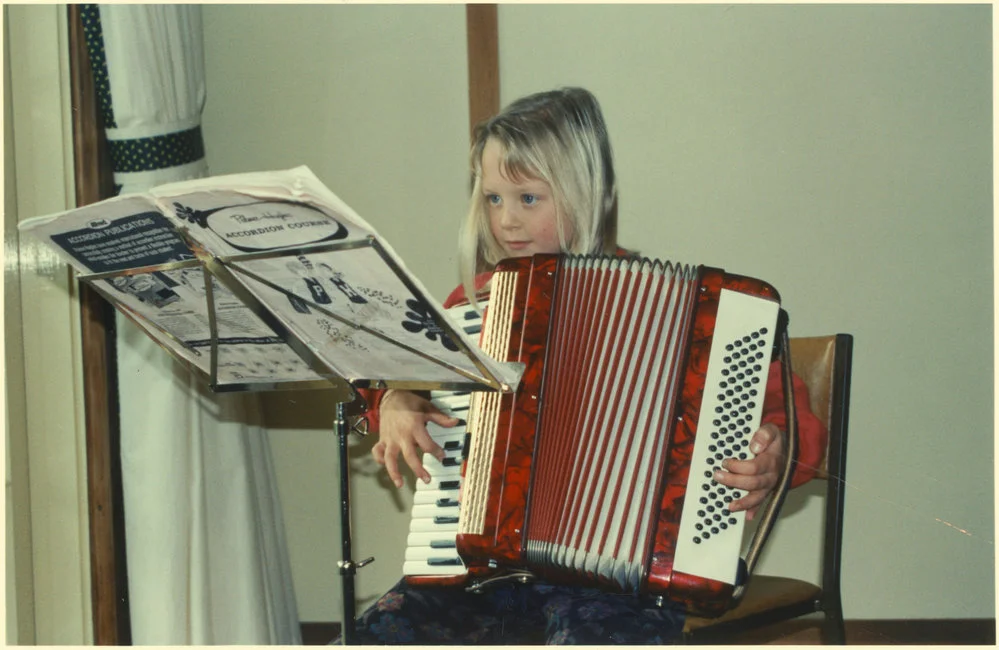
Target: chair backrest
(824, 363)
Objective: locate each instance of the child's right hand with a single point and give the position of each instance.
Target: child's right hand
(403, 418)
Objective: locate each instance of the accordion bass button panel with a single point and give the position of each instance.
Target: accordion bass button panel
(710, 536)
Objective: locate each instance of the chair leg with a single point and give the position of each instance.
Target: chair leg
(833, 628)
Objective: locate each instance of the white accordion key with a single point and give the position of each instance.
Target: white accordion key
(450, 466)
(436, 539)
(453, 402)
(439, 497)
(451, 440)
(439, 555)
(432, 510)
(428, 568)
(441, 524)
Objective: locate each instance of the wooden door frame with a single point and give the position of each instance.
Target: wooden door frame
(483, 62)
(108, 572)
(94, 182)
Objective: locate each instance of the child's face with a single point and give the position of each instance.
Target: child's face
(522, 213)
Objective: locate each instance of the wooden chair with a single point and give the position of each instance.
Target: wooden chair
(824, 363)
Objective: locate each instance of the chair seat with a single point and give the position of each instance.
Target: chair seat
(763, 593)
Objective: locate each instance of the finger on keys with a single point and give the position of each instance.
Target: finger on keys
(392, 467)
(415, 463)
(429, 445)
(763, 437)
(742, 475)
(443, 420)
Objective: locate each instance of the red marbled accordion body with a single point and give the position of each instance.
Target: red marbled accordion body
(516, 504)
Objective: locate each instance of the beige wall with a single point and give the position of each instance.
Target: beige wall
(841, 153)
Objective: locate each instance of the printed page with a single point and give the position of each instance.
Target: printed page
(325, 275)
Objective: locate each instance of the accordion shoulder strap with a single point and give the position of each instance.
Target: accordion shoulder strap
(790, 439)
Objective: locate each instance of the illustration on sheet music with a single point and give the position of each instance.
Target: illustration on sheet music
(419, 319)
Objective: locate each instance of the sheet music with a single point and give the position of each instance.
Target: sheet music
(320, 293)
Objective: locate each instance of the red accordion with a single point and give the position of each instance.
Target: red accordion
(640, 378)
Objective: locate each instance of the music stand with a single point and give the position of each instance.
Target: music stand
(296, 292)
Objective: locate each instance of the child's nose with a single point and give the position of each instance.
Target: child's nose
(510, 217)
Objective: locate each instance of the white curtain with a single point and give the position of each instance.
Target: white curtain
(206, 553)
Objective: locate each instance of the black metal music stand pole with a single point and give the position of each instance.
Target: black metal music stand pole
(347, 567)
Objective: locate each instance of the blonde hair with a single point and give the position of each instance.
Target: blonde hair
(558, 136)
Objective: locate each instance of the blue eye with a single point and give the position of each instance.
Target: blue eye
(493, 199)
(529, 199)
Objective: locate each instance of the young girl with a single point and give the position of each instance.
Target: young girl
(543, 182)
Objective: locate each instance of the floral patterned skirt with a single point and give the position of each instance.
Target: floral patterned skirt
(516, 614)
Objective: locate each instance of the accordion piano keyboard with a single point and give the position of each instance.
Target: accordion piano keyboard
(433, 526)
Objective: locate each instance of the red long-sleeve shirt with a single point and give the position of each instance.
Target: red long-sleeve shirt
(812, 434)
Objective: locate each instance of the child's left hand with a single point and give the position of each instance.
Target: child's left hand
(756, 476)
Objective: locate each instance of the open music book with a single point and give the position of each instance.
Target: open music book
(268, 280)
